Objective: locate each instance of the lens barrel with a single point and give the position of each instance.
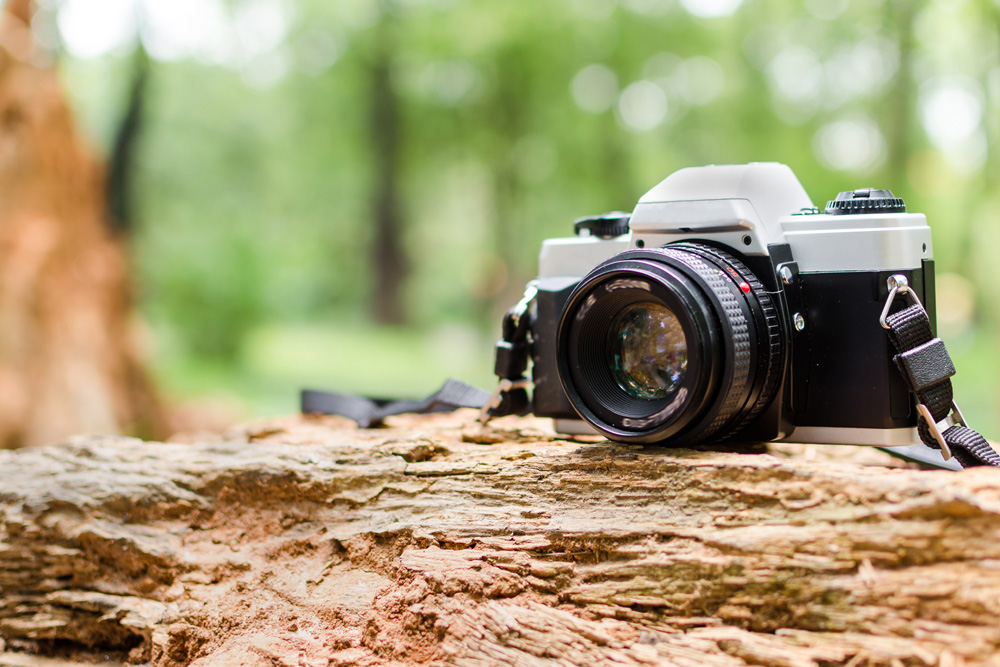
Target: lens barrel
(677, 345)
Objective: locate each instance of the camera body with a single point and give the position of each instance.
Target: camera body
(729, 307)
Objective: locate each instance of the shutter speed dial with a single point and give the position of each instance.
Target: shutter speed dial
(865, 200)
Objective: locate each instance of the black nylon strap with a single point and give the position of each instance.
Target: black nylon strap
(970, 448)
(909, 329)
(368, 412)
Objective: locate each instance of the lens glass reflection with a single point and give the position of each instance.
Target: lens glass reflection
(648, 351)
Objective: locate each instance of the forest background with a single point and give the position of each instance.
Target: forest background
(348, 194)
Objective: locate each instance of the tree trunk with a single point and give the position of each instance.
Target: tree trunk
(68, 362)
(388, 259)
(440, 541)
(900, 103)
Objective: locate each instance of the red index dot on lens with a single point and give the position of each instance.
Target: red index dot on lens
(745, 287)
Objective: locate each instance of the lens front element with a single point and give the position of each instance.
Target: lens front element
(648, 351)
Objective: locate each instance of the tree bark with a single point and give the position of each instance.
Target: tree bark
(68, 360)
(440, 541)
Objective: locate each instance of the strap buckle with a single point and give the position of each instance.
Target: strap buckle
(898, 284)
(520, 309)
(496, 398)
(954, 418)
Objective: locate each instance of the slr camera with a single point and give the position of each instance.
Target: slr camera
(725, 306)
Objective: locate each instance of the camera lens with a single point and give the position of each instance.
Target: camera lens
(648, 351)
(675, 344)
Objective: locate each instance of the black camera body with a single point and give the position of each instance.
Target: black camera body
(727, 306)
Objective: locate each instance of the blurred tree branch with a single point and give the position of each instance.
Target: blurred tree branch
(122, 162)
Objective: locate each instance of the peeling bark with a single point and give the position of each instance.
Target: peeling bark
(439, 541)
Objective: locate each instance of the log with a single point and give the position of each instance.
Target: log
(437, 540)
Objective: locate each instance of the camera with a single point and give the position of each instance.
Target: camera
(725, 306)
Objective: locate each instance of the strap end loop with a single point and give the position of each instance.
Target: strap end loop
(496, 399)
(898, 284)
(936, 428)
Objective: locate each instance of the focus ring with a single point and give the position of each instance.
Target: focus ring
(769, 331)
(715, 279)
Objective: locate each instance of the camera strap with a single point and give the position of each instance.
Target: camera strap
(369, 412)
(509, 398)
(511, 361)
(927, 369)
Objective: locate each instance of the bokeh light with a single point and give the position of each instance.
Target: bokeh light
(595, 88)
(643, 106)
(850, 144)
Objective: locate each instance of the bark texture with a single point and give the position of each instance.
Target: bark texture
(68, 363)
(307, 542)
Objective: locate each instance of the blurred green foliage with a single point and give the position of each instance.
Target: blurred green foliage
(255, 174)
